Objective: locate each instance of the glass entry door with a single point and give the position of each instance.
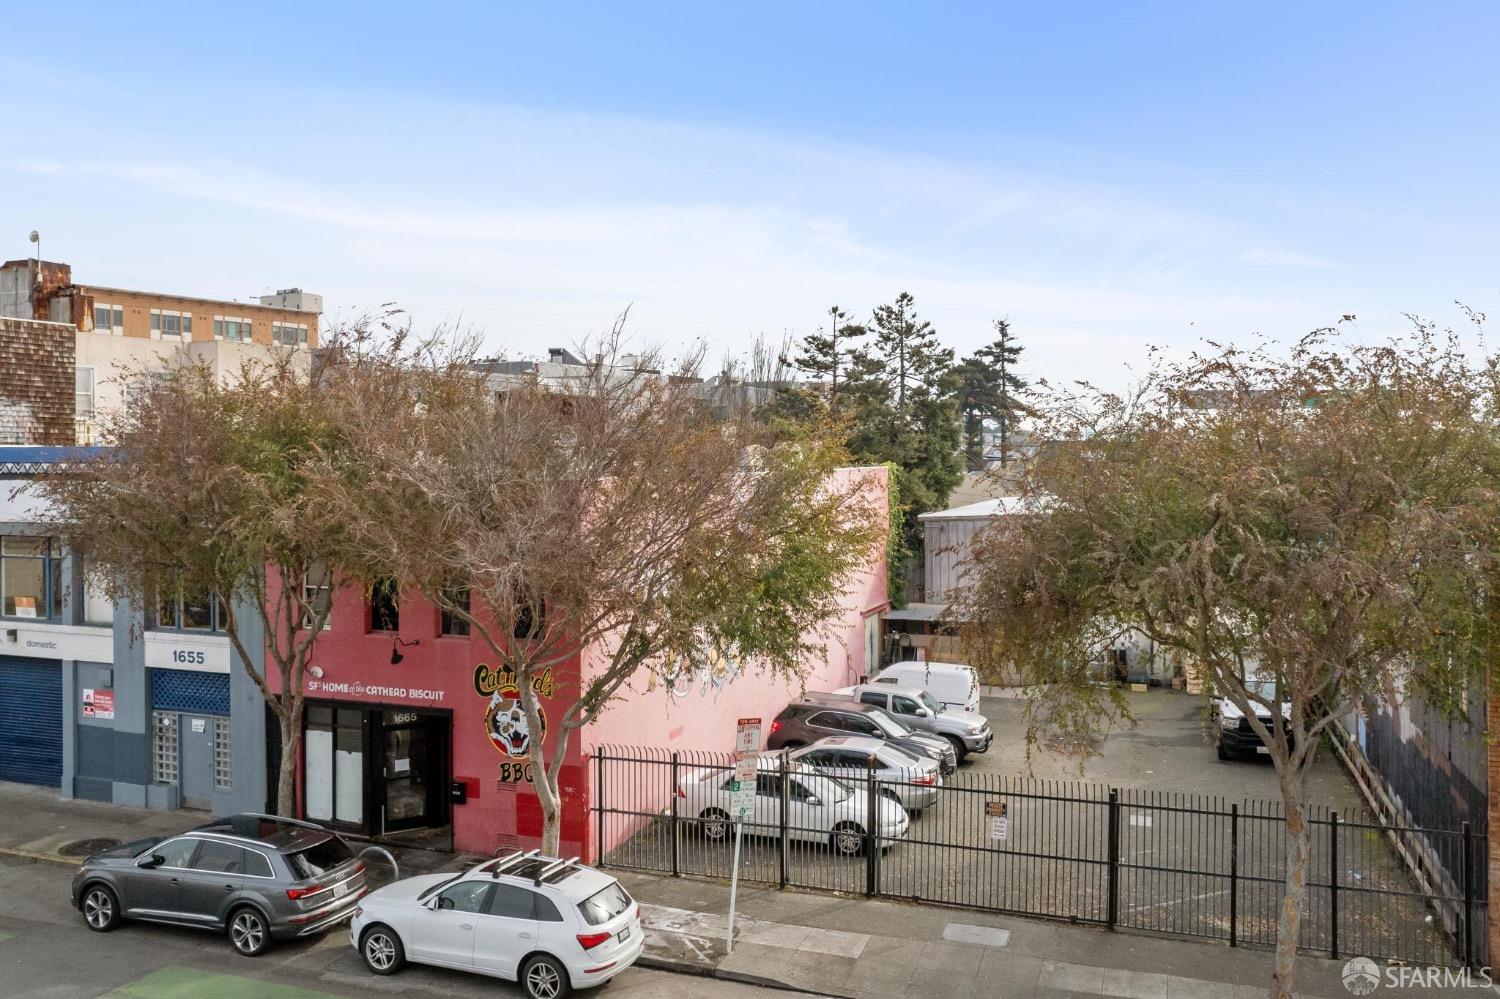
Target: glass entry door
(414, 774)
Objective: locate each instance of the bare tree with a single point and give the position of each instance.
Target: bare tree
(1322, 520)
(633, 519)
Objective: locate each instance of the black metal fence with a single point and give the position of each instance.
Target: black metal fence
(1153, 861)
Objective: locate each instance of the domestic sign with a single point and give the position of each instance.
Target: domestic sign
(997, 811)
(98, 704)
(58, 641)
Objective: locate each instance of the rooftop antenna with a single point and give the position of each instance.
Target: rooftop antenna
(36, 238)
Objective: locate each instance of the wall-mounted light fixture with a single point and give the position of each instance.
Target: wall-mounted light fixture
(316, 671)
(396, 655)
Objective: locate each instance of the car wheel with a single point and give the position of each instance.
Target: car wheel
(248, 932)
(1223, 753)
(382, 950)
(101, 909)
(848, 839)
(959, 749)
(715, 825)
(544, 977)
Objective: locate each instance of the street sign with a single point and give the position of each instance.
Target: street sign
(742, 792)
(747, 736)
(999, 820)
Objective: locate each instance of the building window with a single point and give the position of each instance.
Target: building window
(98, 608)
(179, 610)
(109, 319)
(385, 611)
(30, 578)
(232, 328)
(166, 322)
(452, 623)
(317, 593)
(164, 747)
(223, 779)
(289, 334)
(83, 393)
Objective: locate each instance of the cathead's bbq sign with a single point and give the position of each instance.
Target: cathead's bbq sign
(505, 717)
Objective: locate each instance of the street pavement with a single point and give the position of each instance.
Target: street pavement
(46, 952)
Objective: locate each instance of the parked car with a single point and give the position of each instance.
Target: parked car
(256, 877)
(820, 809)
(1233, 735)
(553, 925)
(912, 781)
(916, 708)
(954, 684)
(818, 716)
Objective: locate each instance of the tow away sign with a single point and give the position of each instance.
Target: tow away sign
(996, 811)
(746, 751)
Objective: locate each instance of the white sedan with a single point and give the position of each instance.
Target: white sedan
(553, 925)
(900, 775)
(819, 809)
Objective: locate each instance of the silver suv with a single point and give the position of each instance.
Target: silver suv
(255, 877)
(967, 731)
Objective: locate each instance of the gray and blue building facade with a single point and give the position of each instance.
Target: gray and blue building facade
(109, 701)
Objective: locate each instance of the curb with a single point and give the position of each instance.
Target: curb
(45, 858)
(709, 971)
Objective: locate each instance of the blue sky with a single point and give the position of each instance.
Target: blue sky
(1106, 175)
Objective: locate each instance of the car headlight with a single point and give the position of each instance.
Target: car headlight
(1227, 722)
(975, 729)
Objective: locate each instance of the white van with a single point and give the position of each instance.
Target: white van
(954, 684)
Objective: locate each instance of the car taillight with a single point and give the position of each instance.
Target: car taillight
(680, 792)
(296, 893)
(588, 941)
(775, 726)
(928, 779)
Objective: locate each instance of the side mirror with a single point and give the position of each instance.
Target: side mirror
(445, 903)
(815, 800)
(150, 860)
(924, 712)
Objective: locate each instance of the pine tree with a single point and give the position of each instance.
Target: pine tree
(915, 362)
(1008, 389)
(826, 356)
(974, 383)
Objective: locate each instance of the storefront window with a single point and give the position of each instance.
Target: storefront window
(30, 578)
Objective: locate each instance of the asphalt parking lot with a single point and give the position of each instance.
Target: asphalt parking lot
(1184, 820)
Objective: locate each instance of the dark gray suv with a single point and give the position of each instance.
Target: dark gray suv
(256, 877)
(804, 722)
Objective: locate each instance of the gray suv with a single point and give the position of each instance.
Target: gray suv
(256, 877)
(968, 731)
(818, 716)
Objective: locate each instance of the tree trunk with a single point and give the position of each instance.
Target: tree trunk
(286, 780)
(542, 777)
(1289, 925)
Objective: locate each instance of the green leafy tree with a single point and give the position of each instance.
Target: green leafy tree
(1302, 530)
(1006, 390)
(831, 356)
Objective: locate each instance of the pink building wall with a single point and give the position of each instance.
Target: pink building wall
(701, 715)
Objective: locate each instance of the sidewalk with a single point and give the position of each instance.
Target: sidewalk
(842, 946)
(853, 948)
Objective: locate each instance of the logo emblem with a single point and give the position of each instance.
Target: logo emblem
(1361, 976)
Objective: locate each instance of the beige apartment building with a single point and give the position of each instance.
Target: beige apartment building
(117, 331)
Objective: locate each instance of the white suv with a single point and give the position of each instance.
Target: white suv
(553, 925)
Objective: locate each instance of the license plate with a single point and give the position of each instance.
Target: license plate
(1263, 749)
(340, 890)
(625, 934)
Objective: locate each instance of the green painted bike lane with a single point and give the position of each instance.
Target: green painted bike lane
(178, 982)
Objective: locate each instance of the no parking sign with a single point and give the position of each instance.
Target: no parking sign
(996, 811)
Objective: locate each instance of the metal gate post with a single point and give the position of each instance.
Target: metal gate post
(1234, 874)
(785, 800)
(599, 800)
(1468, 896)
(676, 825)
(1333, 882)
(1113, 910)
(872, 845)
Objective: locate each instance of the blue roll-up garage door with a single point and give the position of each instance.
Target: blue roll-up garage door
(30, 721)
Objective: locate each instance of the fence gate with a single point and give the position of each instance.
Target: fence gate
(1160, 862)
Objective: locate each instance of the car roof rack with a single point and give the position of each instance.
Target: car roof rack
(511, 860)
(552, 868)
(231, 822)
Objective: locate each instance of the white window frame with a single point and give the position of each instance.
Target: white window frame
(184, 325)
(93, 393)
(114, 328)
(247, 328)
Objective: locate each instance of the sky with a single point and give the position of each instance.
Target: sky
(1105, 176)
